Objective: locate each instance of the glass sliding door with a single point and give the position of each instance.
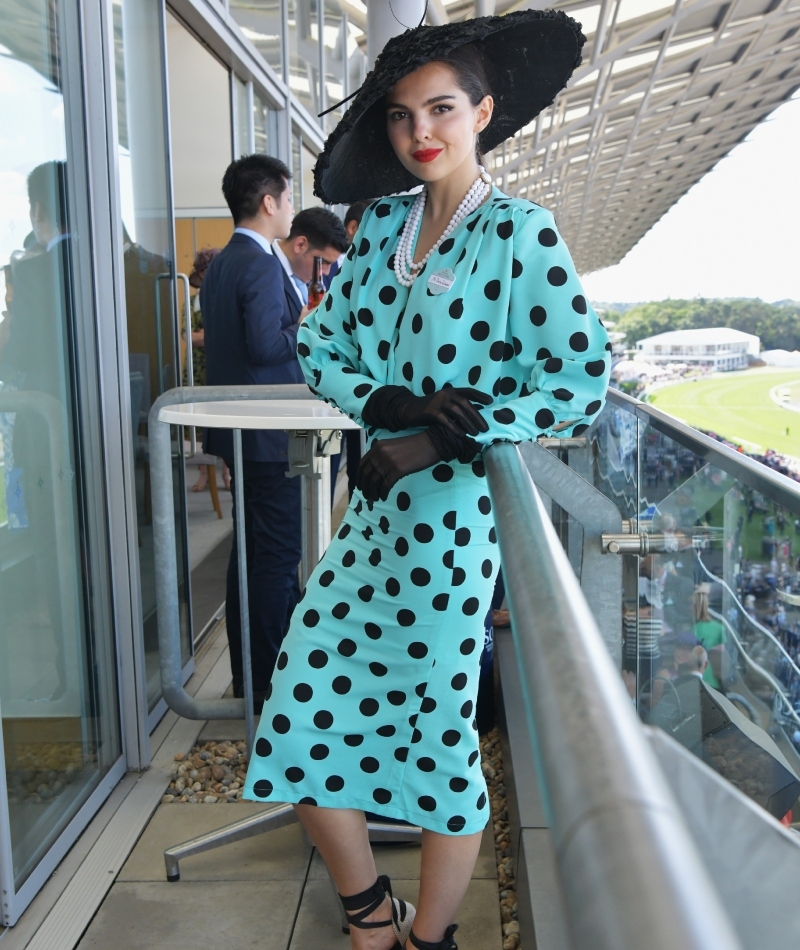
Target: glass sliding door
(58, 699)
(150, 293)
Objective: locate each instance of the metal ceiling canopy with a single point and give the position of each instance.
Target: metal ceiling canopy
(665, 91)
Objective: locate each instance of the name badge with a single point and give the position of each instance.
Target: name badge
(441, 281)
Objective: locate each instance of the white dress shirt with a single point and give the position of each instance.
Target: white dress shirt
(258, 238)
(278, 252)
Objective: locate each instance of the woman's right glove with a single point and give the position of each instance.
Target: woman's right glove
(396, 408)
(388, 460)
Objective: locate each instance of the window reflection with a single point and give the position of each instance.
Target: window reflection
(304, 75)
(260, 21)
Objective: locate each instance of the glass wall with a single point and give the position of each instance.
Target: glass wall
(241, 124)
(150, 294)
(58, 698)
(260, 21)
(304, 77)
(265, 126)
(335, 42)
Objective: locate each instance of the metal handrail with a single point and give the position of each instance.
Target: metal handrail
(631, 874)
(780, 488)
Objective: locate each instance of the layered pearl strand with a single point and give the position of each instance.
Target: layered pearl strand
(405, 270)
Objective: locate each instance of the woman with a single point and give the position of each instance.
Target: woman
(372, 703)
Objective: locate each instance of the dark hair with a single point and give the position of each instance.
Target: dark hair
(47, 187)
(472, 77)
(248, 179)
(356, 211)
(322, 228)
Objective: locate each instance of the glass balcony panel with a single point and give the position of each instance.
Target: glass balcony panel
(60, 725)
(304, 78)
(260, 21)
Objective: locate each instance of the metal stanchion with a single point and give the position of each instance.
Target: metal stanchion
(244, 603)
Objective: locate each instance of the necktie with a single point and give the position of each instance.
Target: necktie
(301, 286)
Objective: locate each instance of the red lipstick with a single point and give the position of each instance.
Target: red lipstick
(426, 154)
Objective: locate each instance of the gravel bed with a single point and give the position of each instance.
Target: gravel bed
(214, 773)
(492, 765)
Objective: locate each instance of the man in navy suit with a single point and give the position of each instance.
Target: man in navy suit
(251, 312)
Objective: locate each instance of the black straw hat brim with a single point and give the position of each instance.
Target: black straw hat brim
(529, 57)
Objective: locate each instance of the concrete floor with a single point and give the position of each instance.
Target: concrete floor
(270, 892)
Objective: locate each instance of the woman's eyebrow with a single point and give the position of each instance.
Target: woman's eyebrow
(428, 102)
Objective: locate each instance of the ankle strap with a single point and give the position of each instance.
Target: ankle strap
(366, 902)
(447, 943)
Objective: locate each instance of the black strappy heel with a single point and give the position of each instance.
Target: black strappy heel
(447, 943)
(366, 902)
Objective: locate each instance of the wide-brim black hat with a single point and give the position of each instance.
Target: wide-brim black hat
(529, 56)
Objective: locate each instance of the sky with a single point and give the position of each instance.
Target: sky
(736, 233)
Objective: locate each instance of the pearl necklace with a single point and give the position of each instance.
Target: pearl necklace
(405, 269)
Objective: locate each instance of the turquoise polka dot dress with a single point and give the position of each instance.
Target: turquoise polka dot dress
(372, 704)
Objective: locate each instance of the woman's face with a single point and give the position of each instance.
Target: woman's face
(431, 123)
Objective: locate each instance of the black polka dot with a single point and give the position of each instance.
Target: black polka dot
(557, 276)
(382, 796)
(416, 323)
(458, 784)
(426, 764)
(505, 386)
(369, 764)
(442, 473)
(303, 350)
(382, 210)
(406, 618)
(428, 705)
(563, 394)
(496, 351)
(346, 288)
(383, 524)
(363, 247)
(420, 577)
(595, 367)
(392, 586)
(403, 501)
(365, 317)
(579, 342)
(459, 681)
(449, 520)
(456, 823)
(505, 229)
(408, 371)
(348, 558)
(462, 537)
(440, 601)
(447, 353)
(538, 316)
(373, 631)
(487, 568)
(474, 375)
(423, 533)
(429, 385)
(319, 752)
(369, 707)
(544, 418)
(416, 736)
(342, 685)
(456, 309)
(311, 618)
(302, 692)
(283, 659)
(417, 650)
(451, 737)
(548, 237)
(471, 225)
(378, 669)
(401, 754)
(593, 407)
(579, 304)
(353, 740)
(295, 774)
(472, 757)
(479, 469)
(263, 747)
(580, 429)
(484, 505)
(386, 731)
(470, 606)
(467, 646)
(326, 578)
(334, 783)
(480, 331)
(401, 547)
(341, 610)
(459, 576)
(347, 647)
(365, 593)
(281, 724)
(396, 697)
(362, 389)
(426, 803)
(466, 709)
(553, 365)
(263, 788)
(481, 800)
(492, 535)
(492, 290)
(323, 719)
(387, 295)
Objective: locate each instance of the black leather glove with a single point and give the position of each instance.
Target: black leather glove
(388, 460)
(396, 408)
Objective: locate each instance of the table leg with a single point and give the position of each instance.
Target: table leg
(244, 603)
(316, 525)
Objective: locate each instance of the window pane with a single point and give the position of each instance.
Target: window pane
(57, 673)
(304, 52)
(261, 124)
(335, 40)
(241, 134)
(260, 21)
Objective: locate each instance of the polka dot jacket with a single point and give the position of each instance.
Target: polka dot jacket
(372, 703)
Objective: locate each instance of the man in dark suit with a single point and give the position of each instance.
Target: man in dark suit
(251, 312)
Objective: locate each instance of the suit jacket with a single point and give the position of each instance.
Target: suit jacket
(250, 310)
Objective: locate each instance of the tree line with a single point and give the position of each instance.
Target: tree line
(778, 325)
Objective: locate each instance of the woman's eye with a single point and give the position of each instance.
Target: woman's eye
(396, 116)
(444, 108)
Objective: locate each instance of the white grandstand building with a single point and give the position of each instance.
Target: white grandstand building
(717, 348)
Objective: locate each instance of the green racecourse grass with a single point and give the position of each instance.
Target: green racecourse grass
(738, 406)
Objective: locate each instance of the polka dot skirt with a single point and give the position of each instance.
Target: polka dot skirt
(372, 704)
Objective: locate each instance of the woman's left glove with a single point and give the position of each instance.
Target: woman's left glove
(388, 460)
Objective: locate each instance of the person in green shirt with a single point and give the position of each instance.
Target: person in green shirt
(710, 634)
